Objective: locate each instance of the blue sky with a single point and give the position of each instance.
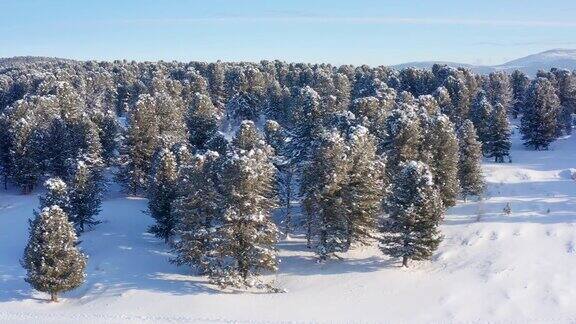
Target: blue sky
(357, 32)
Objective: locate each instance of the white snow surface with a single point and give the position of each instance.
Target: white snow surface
(518, 268)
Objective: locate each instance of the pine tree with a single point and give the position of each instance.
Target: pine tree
(540, 115)
(57, 194)
(444, 159)
(519, 82)
(499, 90)
(85, 197)
(198, 214)
(460, 95)
(414, 210)
(404, 137)
(162, 193)
(470, 168)
(247, 236)
(216, 84)
(279, 139)
(53, 262)
(108, 131)
(480, 115)
(202, 121)
(566, 90)
(138, 148)
(498, 144)
(322, 187)
(26, 156)
(364, 187)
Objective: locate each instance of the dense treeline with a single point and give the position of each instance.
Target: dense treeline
(372, 154)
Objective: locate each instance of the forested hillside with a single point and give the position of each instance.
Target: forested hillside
(234, 157)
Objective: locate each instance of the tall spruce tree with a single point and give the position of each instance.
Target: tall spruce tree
(444, 158)
(415, 210)
(322, 187)
(499, 90)
(198, 213)
(539, 120)
(519, 83)
(404, 137)
(364, 187)
(52, 261)
(247, 236)
(202, 121)
(279, 139)
(85, 197)
(139, 145)
(162, 193)
(470, 168)
(498, 144)
(480, 114)
(57, 194)
(566, 90)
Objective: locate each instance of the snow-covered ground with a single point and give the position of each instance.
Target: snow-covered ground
(501, 268)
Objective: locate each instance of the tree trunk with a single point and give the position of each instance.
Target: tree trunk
(405, 261)
(54, 297)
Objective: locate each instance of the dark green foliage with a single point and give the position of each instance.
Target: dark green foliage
(52, 261)
(539, 123)
(414, 210)
(162, 193)
(498, 143)
(470, 169)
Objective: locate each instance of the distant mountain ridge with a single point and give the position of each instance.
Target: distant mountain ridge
(558, 58)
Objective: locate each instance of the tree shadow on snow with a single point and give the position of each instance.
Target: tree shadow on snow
(308, 264)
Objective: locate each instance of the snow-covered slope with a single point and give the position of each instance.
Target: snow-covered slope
(531, 64)
(491, 267)
(558, 58)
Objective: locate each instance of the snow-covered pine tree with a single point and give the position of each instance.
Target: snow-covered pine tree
(499, 90)
(403, 137)
(460, 95)
(371, 112)
(57, 194)
(139, 145)
(26, 155)
(444, 158)
(202, 121)
(308, 117)
(85, 197)
(566, 89)
(162, 193)
(215, 76)
(278, 138)
(480, 114)
(364, 187)
(247, 237)
(169, 111)
(470, 168)
(108, 131)
(539, 120)
(415, 210)
(342, 90)
(443, 99)
(198, 214)
(53, 262)
(323, 185)
(519, 83)
(498, 144)
(243, 105)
